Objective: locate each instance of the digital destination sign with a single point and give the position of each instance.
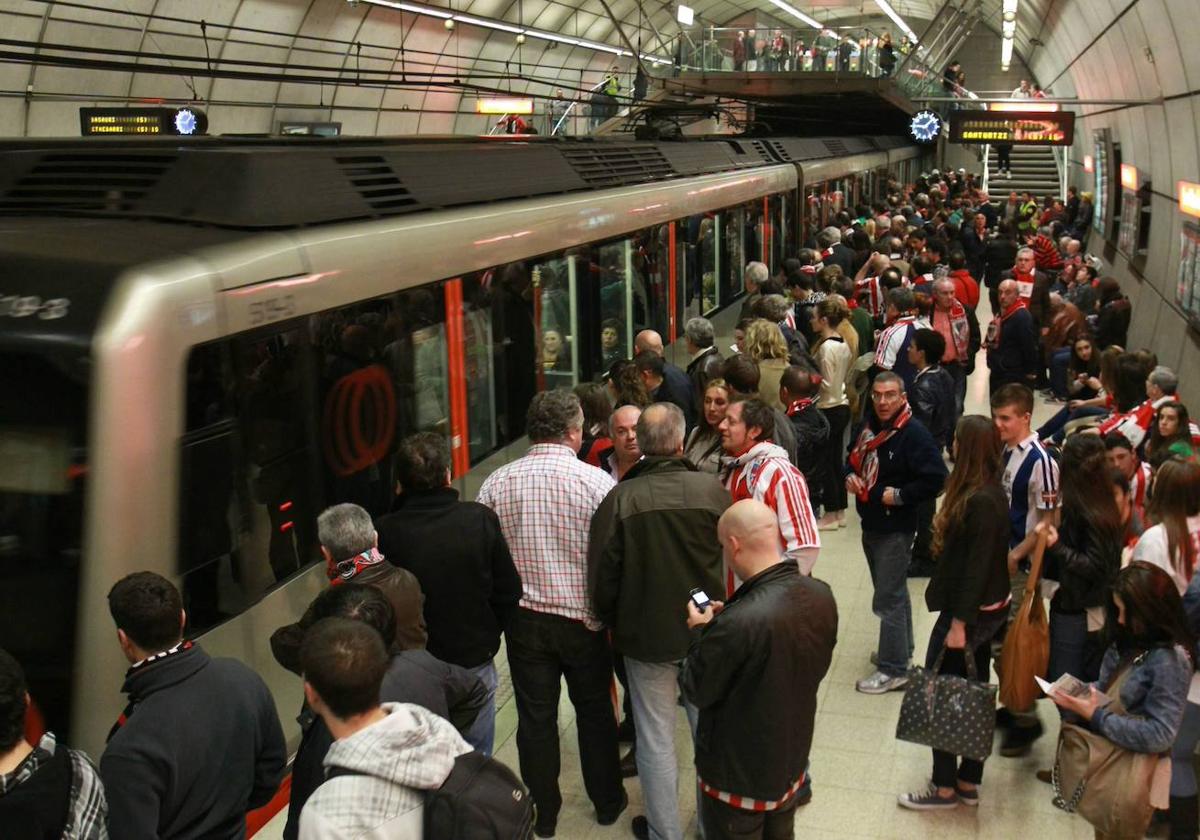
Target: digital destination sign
(178, 122)
(1020, 128)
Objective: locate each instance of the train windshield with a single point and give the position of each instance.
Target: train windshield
(43, 466)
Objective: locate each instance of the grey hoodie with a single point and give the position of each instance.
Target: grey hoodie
(391, 764)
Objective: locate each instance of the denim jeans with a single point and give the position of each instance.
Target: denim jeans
(833, 477)
(1183, 772)
(1059, 361)
(482, 733)
(724, 822)
(958, 372)
(542, 650)
(1073, 651)
(1053, 428)
(947, 767)
(655, 690)
(888, 556)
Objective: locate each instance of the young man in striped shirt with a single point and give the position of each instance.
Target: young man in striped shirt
(1031, 483)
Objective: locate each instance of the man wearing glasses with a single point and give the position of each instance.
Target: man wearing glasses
(894, 466)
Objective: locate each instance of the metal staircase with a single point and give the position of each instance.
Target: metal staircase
(1033, 168)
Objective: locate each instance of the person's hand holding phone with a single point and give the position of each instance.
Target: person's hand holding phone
(698, 617)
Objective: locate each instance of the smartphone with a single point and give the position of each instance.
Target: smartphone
(700, 599)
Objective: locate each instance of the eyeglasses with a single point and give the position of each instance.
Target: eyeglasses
(879, 396)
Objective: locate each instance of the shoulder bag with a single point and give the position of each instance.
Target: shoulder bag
(948, 712)
(1109, 786)
(1026, 651)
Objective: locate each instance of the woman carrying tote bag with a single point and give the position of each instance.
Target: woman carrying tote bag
(970, 590)
(1109, 769)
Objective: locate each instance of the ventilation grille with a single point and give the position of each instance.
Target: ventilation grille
(109, 183)
(375, 181)
(608, 166)
(835, 146)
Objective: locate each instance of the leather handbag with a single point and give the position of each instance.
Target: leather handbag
(1026, 650)
(1107, 785)
(948, 712)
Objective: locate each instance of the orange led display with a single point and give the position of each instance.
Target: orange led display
(1129, 177)
(1189, 198)
(504, 106)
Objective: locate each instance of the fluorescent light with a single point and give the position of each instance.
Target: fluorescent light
(796, 13)
(685, 14)
(1009, 7)
(504, 105)
(896, 19)
(1009, 28)
(486, 23)
(1006, 50)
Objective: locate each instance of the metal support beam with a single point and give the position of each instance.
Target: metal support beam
(637, 56)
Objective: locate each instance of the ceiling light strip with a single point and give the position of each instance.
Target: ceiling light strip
(896, 19)
(796, 13)
(1008, 31)
(429, 11)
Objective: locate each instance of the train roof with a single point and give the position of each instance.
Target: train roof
(277, 183)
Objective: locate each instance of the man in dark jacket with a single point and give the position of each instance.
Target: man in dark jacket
(678, 390)
(894, 466)
(350, 546)
(459, 557)
(199, 744)
(1013, 352)
(798, 389)
(653, 540)
(413, 676)
(933, 403)
(833, 252)
(759, 657)
(705, 358)
(1033, 286)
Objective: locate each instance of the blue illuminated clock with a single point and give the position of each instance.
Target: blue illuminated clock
(185, 121)
(925, 126)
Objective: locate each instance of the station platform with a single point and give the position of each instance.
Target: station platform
(858, 767)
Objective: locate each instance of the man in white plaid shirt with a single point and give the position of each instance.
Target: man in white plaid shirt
(545, 503)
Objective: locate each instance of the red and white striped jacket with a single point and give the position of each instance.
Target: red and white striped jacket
(765, 473)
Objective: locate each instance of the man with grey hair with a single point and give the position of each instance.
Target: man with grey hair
(1162, 386)
(545, 502)
(1033, 286)
(833, 252)
(704, 358)
(350, 547)
(653, 540)
(755, 275)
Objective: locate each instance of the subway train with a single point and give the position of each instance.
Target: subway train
(204, 342)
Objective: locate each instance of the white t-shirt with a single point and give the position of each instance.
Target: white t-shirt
(1152, 548)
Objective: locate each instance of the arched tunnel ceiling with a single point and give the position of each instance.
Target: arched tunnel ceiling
(324, 37)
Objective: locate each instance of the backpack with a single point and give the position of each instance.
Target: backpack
(481, 799)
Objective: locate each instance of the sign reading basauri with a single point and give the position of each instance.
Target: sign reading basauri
(1020, 128)
(142, 121)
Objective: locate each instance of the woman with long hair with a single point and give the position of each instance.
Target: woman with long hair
(597, 408)
(703, 446)
(969, 589)
(1101, 403)
(1083, 555)
(625, 385)
(766, 346)
(1173, 545)
(1171, 434)
(833, 357)
(1148, 667)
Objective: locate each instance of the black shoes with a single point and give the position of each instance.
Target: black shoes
(625, 731)
(610, 817)
(640, 828)
(1018, 740)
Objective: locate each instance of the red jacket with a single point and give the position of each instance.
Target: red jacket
(966, 289)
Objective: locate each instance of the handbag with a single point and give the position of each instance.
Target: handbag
(948, 712)
(1026, 650)
(1107, 785)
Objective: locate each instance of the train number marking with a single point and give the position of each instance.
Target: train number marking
(272, 309)
(26, 306)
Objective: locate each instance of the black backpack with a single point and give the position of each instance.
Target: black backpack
(481, 799)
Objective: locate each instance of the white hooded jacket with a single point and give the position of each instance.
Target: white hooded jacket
(392, 763)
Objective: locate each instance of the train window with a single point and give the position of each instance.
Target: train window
(732, 224)
(652, 265)
(777, 232)
(556, 312)
(508, 291)
(247, 508)
(43, 468)
(710, 261)
(607, 271)
(485, 403)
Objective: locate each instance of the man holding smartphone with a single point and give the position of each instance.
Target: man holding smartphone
(653, 541)
(759, 657)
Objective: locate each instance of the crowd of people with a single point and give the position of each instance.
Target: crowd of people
(665, 527)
